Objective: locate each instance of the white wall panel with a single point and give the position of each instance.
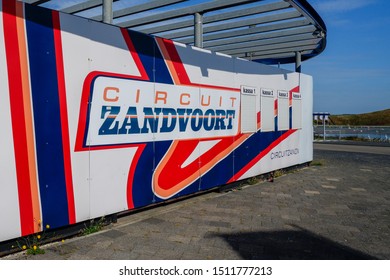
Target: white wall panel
(9, 202)
(283, 110)
(75, 50)
(108, 185)
(248, 113)
(306, 140)
(267, 112)
(215, 69)
(296, 111)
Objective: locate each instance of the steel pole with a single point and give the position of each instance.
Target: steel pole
(107, 11)
(323, 122)
(298, 61)
(198, 30)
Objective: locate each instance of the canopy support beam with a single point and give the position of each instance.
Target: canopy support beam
(107, 11)
(298, 61)
(198, 30)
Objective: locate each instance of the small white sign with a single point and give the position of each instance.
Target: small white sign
(296, 95)
(267, 92)
(248, 90)
(283, 94)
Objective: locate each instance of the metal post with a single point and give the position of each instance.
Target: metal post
(298, 62)
(198, 30)
(323, 122)
(107, 11)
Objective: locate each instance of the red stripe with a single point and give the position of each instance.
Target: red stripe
(296, 89)
(181, 71)
(83, 112)
(64, 117)
(134, 54)
(261, 155)
(18, 117)
(177, 63)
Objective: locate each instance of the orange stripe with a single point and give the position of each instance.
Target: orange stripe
(28, 116)
(276, 107)
(241, 138)
(177, 69)
(166, 193)
(156, 187)
(168, 61)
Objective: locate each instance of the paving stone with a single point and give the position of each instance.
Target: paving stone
(291, 217)
(333, 179)
(179, 239)
(334, 211)
(365, 170)
(283, 195)
(219, 224)
(113, 233)
(358, 189)
(329, 187)
(311, 192)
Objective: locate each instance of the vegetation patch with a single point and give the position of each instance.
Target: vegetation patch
(317, 163)
(278, 173)
(378, 118)
(32, 244)
(253, 181)
(93, 226)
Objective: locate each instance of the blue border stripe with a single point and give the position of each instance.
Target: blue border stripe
(151, 57)
(276, 123)
(46, 107)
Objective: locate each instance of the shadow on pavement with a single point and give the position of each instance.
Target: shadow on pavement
(299, 244)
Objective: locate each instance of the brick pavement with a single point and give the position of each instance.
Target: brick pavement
(339, 209)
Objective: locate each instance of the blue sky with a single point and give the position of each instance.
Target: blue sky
(352, 75)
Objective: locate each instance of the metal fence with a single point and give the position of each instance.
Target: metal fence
(365, 133)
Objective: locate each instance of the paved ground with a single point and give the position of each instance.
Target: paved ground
(370, 148)
(338, 208)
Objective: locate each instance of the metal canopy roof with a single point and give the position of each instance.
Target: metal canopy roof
(266, 31)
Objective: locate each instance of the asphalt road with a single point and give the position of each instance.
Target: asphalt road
(379, 150)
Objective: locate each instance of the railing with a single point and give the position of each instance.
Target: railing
(361, 133)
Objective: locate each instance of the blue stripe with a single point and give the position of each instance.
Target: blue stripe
(44, 87)
(218, 175)
(152, 154)
(238, 159)
(151, 57)
(276, 123)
